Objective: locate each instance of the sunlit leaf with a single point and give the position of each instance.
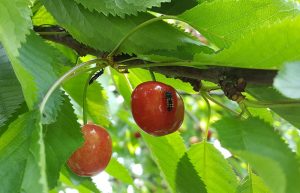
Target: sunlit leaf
(212, 168)
(34, 71)
(187, 178)
(118, 171)
(258, 143)
(223, 22)
(287, 80)
(254, 49)
(254, 184)
(15, 23)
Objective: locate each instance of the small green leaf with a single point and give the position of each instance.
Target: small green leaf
(287, 80)
(22, 156)
(118, 171)
(66, 133)
(253, 185)
(223, 22)
(15, 23)
(254, 50)
(33, 68)
(256, 142)
(11, 95)
(212, 168)
(120, 7)
(187, 178)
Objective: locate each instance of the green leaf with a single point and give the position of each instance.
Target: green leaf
(104, 33)
(35, 73)
(97, 107)
(256, 142)
(223, 22)
(22, 156)
(82, 184)
(287, 80)
(264, 93)
(42, 17)
(66, 133)
(11, 95)
(187, 178)
(175, 7)
(15, 23)
(253, 185)
(166, 152)
(118, 171)
(123, 85)
(121, 7)
(212, 168)
(21, 110)
(254, 50)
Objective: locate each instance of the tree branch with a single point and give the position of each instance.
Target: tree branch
(186, 74)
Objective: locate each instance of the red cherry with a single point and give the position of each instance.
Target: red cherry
(157, 108)
(137, 135)
(209, 134)
(94, 155)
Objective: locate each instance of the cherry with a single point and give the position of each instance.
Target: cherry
(137, 135)
(94, 155)
(157, 108)
(209, 134)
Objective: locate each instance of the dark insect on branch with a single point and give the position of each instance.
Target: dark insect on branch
(96, 75)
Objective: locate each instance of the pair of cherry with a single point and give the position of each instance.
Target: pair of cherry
(156, 108)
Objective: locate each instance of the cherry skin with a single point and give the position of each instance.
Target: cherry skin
(94, 155)
(157, 108)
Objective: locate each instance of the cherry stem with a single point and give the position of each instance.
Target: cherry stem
(84, 98)
(152, 75)
(244, 108)
(220, 104)
(53, 33)
(250, 175)
(58, 82)
(270, 104)
(140, 26)
(208, 114)
(128, 60)
(199, 65)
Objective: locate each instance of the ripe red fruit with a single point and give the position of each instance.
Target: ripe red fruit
(157, 108)
(209, 134)
(137, 135)
(94, 155)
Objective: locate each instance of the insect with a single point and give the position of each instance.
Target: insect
(96, 75)
(169, 98)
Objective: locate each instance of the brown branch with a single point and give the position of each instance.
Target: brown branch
(186, 74)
